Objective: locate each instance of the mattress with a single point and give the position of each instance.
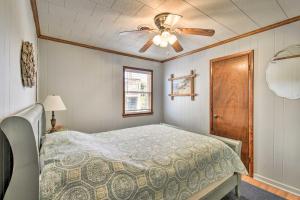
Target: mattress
(146, 162)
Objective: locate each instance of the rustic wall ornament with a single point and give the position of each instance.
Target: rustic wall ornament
(28, 67)
(183, 86)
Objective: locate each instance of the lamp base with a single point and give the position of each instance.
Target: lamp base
(53, 122)
(52, 130)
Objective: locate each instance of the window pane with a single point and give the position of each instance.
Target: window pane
(137, 102)
(137, 82)
(137, 91)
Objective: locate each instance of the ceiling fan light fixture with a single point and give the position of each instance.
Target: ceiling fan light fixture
(164, 39)
(156, 40)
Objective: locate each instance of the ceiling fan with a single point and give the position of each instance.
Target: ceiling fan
(166, 32)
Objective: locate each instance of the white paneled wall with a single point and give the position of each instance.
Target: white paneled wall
(16, 24)
(90, 84)
(276, 120)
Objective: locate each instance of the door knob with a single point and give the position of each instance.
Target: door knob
(216, 116)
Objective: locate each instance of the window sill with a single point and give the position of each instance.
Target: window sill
(137, 114)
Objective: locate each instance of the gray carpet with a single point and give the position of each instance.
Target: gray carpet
(250, 192)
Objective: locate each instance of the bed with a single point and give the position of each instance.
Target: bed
(147, 162)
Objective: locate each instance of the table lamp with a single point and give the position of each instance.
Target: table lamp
(53, 103)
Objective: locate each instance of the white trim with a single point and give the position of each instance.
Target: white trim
(277, 184)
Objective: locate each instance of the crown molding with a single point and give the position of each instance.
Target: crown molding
(95, 48)
(35, 17)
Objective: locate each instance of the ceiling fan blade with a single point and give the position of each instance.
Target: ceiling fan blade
(196, 31)
(177, 46)
(136, 31)
(146, 45)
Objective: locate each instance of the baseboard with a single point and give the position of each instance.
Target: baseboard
(277, 184)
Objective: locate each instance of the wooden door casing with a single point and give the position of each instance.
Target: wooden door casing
(231, 101)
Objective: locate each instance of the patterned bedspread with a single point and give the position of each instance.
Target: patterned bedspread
(146, 162)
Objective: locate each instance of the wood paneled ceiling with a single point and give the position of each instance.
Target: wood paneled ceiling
(97, 23)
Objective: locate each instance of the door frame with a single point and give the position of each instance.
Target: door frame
(250, 54)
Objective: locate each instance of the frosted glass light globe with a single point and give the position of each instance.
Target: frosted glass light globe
(163, 43)
(156, 40)
(172, 39)
(165, 34)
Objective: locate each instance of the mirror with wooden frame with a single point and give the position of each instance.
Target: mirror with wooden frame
(283, 73)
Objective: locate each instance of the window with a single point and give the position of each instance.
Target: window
(137, 91)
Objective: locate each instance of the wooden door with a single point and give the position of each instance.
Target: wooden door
(231, 113)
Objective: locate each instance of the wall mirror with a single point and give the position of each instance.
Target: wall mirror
(283, 73)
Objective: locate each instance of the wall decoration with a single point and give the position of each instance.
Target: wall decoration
(183, 85)
(283, 73)
(28, 68)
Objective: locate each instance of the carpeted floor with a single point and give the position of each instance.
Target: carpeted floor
(250, 192)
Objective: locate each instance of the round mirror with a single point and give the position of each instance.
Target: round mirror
(283, 73)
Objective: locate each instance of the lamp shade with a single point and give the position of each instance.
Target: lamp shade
(54, 103)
